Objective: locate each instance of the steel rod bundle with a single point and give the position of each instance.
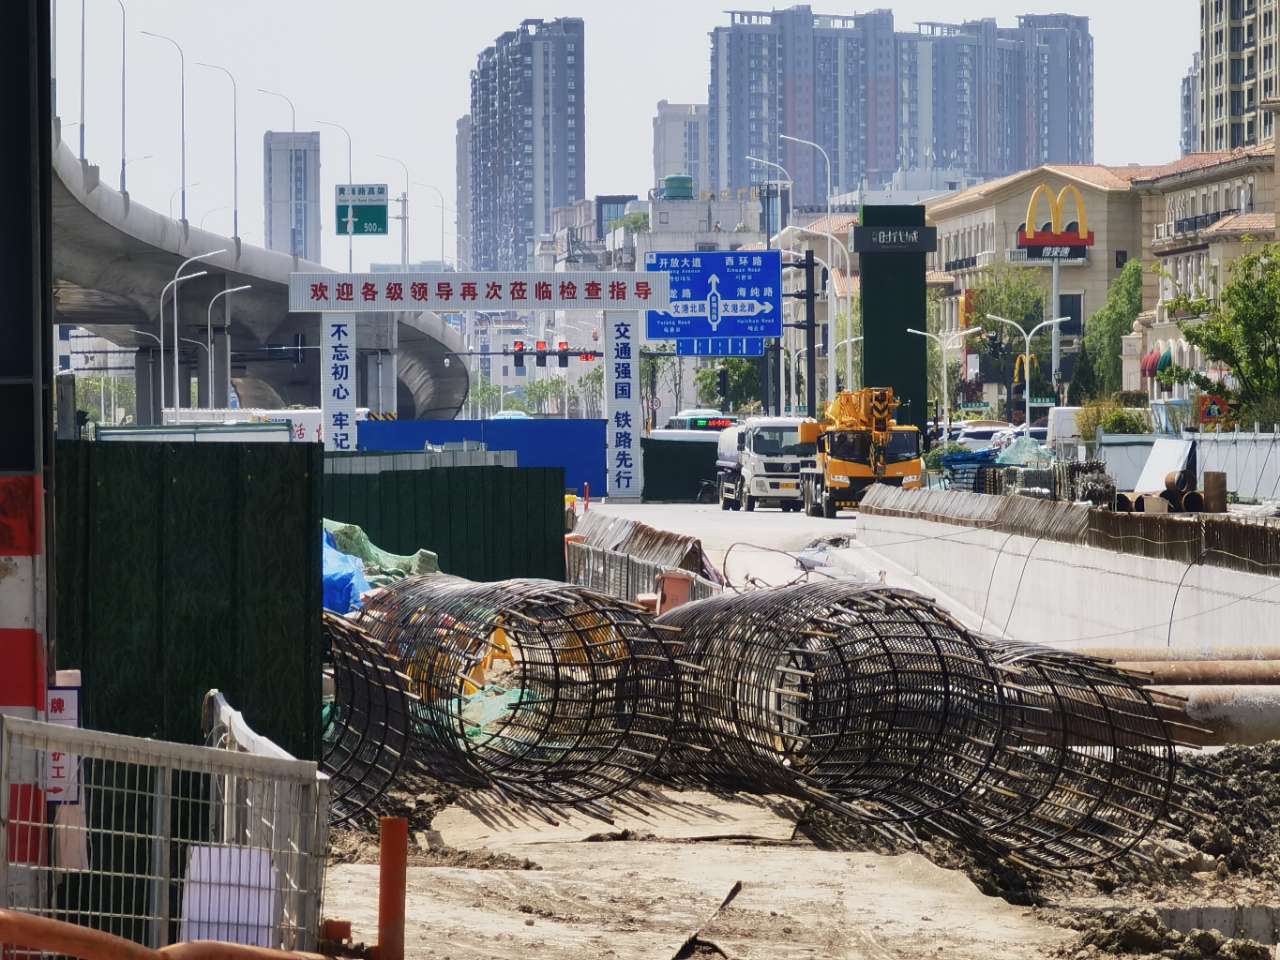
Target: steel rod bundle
(366, 718)
(546, 691)
(875, 701)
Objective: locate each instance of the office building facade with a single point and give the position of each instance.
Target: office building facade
(1189, 107)
(1240, 69)
(462, 192)
(974, 97)
(680, 143)
(292, 157)
(527, 148)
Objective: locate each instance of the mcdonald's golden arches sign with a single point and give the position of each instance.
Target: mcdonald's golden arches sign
(1057, 242)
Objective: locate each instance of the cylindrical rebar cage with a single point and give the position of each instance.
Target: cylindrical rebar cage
(838, 691)
(547, 691)
(365, 724)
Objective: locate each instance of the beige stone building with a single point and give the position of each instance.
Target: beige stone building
(1198, 215)
(978, 228)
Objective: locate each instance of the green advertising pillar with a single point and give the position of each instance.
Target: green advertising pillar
(892, 242)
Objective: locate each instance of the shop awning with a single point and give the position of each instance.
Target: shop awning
(1149, 362)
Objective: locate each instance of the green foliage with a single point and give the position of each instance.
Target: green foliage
(744, 383)
(635, 222)
(590, 389)
(1132, 398)
(1084, 383)
(1112, 418)
(1121, 420)
(1240, 329)
(545, 395)
(933, 459)
(484, 395)
(1102, 339)
(1011, 292)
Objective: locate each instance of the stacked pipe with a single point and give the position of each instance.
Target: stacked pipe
(365, 732)
(545, 691)
(876, 702)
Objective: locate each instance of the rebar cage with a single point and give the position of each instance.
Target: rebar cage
(875, 702)
(161, 842)
(365, 730)
(548, 692)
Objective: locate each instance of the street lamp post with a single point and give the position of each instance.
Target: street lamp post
(182, 93)
(82, 2)
(208, 334)
(293, 203)
(849, 342)
(123, 35)
(796, 355)
(943, 347)
(151, 375)
(350, 217)
(199, 256)
(848, 299)
(180, 190)
(235, 149)
(440, 194)
(831, 360)
(790, 182)
(1026, 357)
(171, 285)
(404, 213)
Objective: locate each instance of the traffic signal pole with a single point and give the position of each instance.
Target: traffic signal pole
(810, 326)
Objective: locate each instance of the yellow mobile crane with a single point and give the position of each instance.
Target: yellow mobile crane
(858, 443)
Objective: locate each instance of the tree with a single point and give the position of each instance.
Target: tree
(1102, 338)
(545, 394)
(1016, 294)
(1240, 329)
(485, 395)
(744, 382)
(1084, 382)
(590, 389)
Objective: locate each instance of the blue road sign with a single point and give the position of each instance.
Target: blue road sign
(721, 347)
(718, 293)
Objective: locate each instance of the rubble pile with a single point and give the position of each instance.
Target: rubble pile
(1141, 933)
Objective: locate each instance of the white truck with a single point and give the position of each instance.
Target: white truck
(758, 463)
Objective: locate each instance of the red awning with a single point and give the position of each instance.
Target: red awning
(1149, 363)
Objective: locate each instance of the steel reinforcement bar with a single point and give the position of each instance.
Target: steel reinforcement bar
(875, 702)
(548, 692)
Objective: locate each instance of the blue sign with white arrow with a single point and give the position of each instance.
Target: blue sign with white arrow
(721, 347)
(718, 293)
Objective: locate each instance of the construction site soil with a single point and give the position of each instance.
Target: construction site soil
(1223, 849)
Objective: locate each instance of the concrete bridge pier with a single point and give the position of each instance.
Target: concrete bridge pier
(146, 383)
(219, 385)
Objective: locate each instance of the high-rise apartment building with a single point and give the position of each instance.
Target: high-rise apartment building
(292, 176)
(526, 139)
(1240, 69)
(989, 100)
(462, 200)
(828, 79)
(1189, 141)
(680, 143)
(975, 97)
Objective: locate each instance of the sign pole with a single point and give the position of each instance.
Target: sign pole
(810, 336)
(1057, 333)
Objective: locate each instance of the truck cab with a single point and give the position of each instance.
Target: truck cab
(758, 463)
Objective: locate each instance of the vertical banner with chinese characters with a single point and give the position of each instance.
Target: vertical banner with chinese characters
(62, 770)
(338, 380)
(624, 466)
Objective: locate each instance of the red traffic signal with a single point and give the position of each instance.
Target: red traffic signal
(562, 349)
(542, 352)
(517, 347)
(587, 355)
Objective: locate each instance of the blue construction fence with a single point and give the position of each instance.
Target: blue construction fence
(576, 445)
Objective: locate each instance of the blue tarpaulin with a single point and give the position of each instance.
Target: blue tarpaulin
(344, 579)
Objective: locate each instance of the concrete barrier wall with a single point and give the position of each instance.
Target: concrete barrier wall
(1063, 593)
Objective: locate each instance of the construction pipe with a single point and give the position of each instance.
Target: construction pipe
(1260, 651)
(1202, 672)
(1233, 714)
(1193, 501)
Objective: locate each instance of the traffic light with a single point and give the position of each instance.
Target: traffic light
(563, 349)
(587, 356)
(517, 347)
(541, 347)
(724, 383)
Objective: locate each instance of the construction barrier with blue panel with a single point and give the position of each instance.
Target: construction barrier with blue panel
(576, 445)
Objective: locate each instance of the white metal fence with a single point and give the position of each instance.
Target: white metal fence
(1251, 460)
(161, 842)
(624, 576)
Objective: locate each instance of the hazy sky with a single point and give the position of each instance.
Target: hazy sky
(396, 74)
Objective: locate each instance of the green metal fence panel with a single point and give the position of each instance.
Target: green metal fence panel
(484, 523)
(188, 566)
(674, 470)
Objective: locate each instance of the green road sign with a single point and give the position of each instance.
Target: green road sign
(364, 205)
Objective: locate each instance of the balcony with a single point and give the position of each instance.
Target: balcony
(1172, 229)
(984, 259)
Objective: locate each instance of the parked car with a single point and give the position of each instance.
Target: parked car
(1005, 437)
(979, 435)
(510, 415)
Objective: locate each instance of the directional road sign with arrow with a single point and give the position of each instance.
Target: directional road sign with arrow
(718, 293)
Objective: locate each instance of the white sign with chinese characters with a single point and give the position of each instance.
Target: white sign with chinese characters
(624, 467)
(338, 380)
(62, 770)
(373, 292)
